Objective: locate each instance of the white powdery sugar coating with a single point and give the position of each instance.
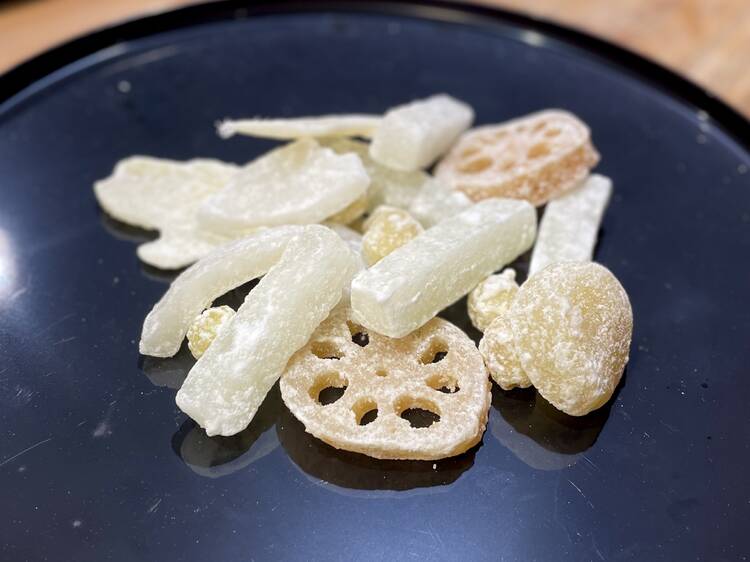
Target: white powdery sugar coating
(414, 135)
(436, 202)
(165, 195)
(415, 282)
(224, 389)
(351, 125)
(386, 229)
(535, 158)
(206, 327)
(299, 183)
(491, 298)
(387, 186)
(390, 376)
(353, 240)
(499, 353)
(572, 324)
(569, 226)
(225, 268)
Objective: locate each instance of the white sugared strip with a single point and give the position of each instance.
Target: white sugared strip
(226, 386)
(414, 135)
(415, 282)
(354, 125)
(569, 226)
(222, 270)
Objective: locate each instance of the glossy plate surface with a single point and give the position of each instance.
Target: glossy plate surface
(96, 461)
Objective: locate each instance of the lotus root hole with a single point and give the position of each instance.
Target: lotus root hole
(365, 411)
(538, 127)
(359, 334)
(538, 150)
(447, 384)
(552, 133)
(325, 349)
(381, 372)
(469, 151)
(476, 165)
(420, 413)
(328, 388)
(435, 352)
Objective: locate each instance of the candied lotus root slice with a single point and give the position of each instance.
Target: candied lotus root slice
(536, 158)
(363, 392)
(572, 325)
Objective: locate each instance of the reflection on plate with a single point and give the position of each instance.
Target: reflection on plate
(540, 435)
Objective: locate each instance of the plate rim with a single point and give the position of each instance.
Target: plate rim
(26, 74)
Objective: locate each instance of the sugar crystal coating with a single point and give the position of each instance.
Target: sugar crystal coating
(536, 158)
(572, 324)
(228, 383)
(386, 229)
(413, 283)
(569, 226)
(436, 368)
(299, 183)
(285, 129)
(225, 268)
(491, 298)
(205, 327)
(414, 135)
(165, 195)
(437, 201)
(499, 353)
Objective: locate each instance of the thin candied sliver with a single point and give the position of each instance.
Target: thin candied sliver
(227, 267)
(224, 389)
(351, 125)
(568, 229)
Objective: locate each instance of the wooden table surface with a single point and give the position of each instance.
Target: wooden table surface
(707, 40)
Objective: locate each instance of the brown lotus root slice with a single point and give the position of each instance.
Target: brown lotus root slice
(536, 157)
(572, 324)
(385, 383)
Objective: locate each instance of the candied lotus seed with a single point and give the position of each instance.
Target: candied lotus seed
(206, 327)
(572, 324)
(491, 298)
(499, 353)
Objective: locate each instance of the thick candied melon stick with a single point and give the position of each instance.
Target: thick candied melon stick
(226, 386)
(415, 282)
(353, 125)
(569, 226)
(414, 135)
(437, 201)
(225, 268)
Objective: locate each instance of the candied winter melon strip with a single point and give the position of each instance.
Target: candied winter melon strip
(226, 386)
(299, 183)
(569, 226)
(411, 285)
(436, 201)
(347, 125)
(225, 268)
(414, 135)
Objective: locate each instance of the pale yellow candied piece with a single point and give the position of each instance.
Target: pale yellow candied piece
(535, 157)
(437, 369)
(351, 125)
(413, 283)
(386, 229)
(206, 327)
(491, 298)
(225, 387)
(572, 325)
(353, 212)
(499, 353)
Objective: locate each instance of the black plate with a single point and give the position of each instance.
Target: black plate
(96, 461)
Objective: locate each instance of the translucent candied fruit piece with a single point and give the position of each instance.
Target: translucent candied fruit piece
(228, 383)
(414, 135)
(352, 125)
(299, 183)
(491, 298)
(568, 229)
(572, 324)
(437, 201)
(386, 229)
(499, 353)
(416, 281)
(205, 328)
(349, 214)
